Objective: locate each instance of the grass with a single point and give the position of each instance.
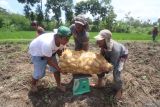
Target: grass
(27, 36)
(125, 36)
(17, 35)
(15, 41)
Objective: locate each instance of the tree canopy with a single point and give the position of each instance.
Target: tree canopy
(101, 12)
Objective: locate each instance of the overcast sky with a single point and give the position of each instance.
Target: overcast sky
(142, 9)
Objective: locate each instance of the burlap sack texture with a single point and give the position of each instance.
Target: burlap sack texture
(82, 62)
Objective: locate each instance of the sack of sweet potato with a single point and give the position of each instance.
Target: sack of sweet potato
(82, 62)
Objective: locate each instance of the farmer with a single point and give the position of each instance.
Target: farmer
(39, 29)
(116, 54)
(154, 33)
(79, 30)
(80, 34)
(43, 50)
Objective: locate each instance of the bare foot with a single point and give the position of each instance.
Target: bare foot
(97, 85)
(118, 95)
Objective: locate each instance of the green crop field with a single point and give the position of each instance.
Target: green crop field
(18, 35)
(29, 35)
(126, 36)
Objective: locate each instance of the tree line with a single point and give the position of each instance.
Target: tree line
(101, 10)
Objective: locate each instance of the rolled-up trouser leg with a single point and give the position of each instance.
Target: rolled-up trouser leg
(117, 80)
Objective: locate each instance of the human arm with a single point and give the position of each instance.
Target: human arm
(85, 46)
(103, 52)
(124, 53)
(51, 63)
(59, 52)
(47, 53)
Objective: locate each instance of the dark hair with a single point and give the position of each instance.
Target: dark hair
(34, 23)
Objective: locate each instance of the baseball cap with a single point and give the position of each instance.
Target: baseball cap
(104, 34)
(64, 31)
(80, 20)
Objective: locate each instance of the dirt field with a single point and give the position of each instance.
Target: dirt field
(141, 81)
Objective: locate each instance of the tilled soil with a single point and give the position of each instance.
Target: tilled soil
(141, 77)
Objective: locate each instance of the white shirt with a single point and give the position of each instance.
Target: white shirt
(43, 45)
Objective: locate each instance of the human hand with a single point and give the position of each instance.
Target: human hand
(102, 68)
(103, 51)
(58, 68)
(122, 59)
(64, 73)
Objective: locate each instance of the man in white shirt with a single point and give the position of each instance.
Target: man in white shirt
(43, 50)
